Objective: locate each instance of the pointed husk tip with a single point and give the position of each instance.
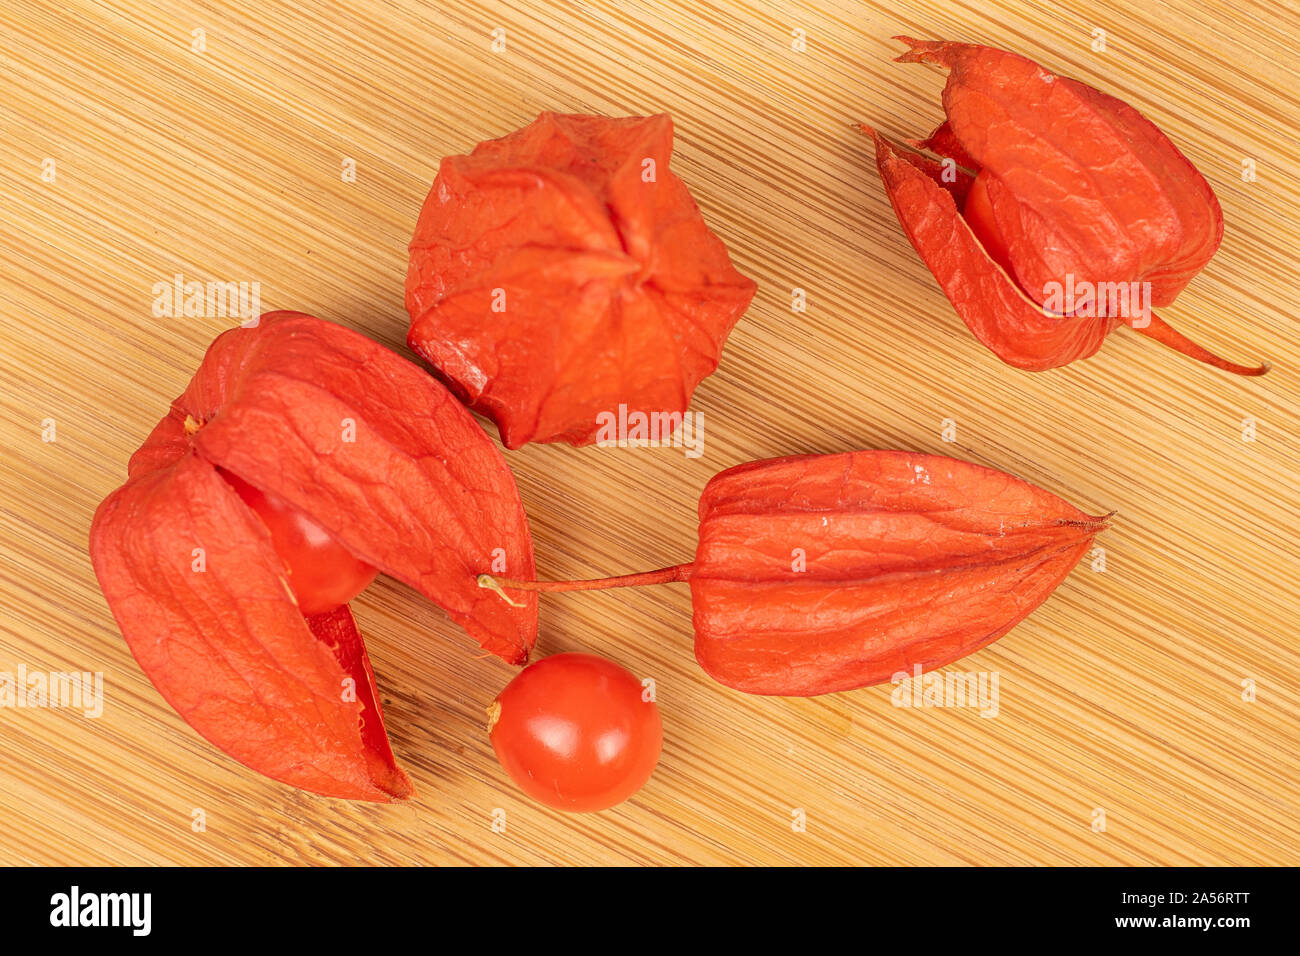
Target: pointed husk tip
(1162, 332)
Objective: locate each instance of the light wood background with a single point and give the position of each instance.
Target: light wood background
(1124, 693)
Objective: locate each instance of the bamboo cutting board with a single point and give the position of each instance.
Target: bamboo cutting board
(1147, 713)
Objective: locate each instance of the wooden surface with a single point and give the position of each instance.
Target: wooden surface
(1124, 693)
